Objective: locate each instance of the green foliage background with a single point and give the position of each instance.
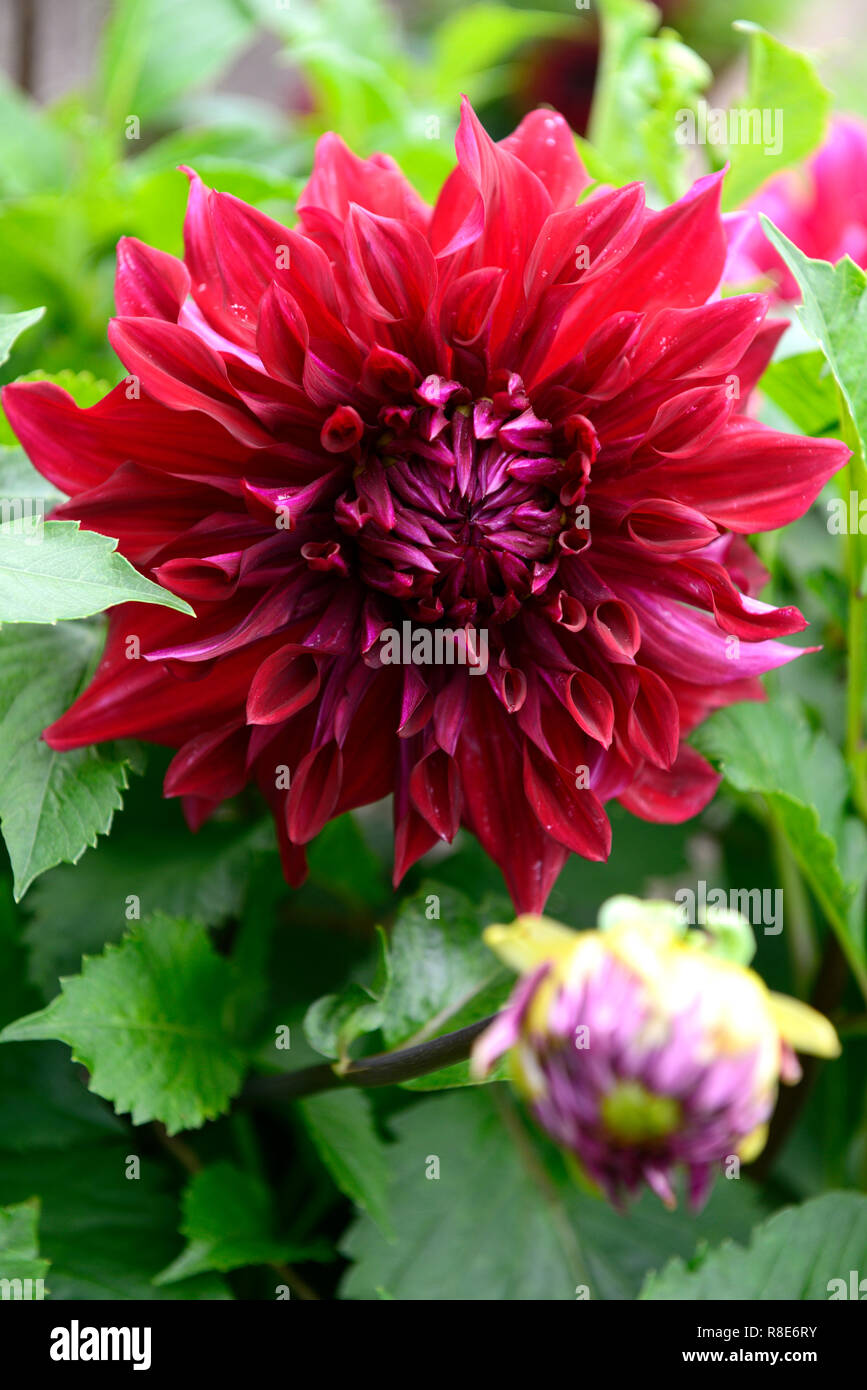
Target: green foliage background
(146, 972)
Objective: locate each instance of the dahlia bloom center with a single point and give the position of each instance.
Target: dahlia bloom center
(460, 508)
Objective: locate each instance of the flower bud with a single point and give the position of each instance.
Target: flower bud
(642, 1046)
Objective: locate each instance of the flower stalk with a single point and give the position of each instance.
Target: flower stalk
(381, 1069)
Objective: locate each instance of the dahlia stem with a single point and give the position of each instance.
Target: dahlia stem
(855, 476)
(382, 1069)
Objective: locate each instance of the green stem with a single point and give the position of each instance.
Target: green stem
(800, 930)
(382, 1069)
(854, 479)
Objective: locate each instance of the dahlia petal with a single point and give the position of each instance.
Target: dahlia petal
(143, 510)
(286, 681)
(435, 789)
(751, 478)
(140, 699)
(615, 624)
(686, 423)
(576, 246)
(590, 704)
(208, 579)
(544, 142)
(340, 178)
(468, 305)
(702, 341)
(449, 707)
(211, 765)
(392, 270)
(490, 185)
(175, 366)
(680, 640)
(574, 816)
(413, 837)
(491, 769)
(669, 528)
(664, 269)
(282, 335)
(653, 726)
(673, 795)
(149, 283)
(314, 792)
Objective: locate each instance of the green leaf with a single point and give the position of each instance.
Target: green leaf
(53, 570)
(521, 1235)
(155, 50)
(472, 40)
(804, 1252)
(19, 1249)
(341, 1127)
(105, 1231)
(769, 749)
(340, 861)
(333, 1022)
(442, 976)
(43, 1103)
(107, 1225)
(52, 805)
(34, 152)
(834, 313)
(643, 83)
(151, 857)
(18, 478)
(152, 1021)
(12, 325)
(228, 1224)
(434, 976)
(784, 83)
(803, 388)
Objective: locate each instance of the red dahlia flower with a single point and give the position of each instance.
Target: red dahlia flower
(509, 416)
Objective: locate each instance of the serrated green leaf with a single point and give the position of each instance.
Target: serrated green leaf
(460, 1184)
(435, 975)
(151, 863)
(152, 1021)
(834, 313)
(52, 805)
(52, 570)
(770, 750)
(19, 1251)
(228, 1224)
(12, 326)
(804, 1252)
(784, 81)
(340, 1123)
